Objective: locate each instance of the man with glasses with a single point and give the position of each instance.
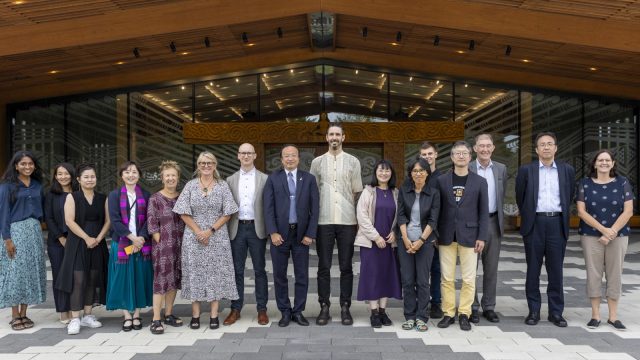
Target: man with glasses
(496, 175)
(429, 152)
(247, 232)
(463, 228)
(339, 179)
(544, 195)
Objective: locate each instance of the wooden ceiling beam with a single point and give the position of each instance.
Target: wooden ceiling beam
(500, 20)
(262, 61)
(147, 21)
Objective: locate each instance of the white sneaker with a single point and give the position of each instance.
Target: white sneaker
(73, 328)
(90, 321)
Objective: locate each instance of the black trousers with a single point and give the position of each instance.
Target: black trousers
(344, 236)
(280, 260)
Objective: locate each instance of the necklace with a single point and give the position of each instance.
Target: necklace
(384, 191)
(205, 189)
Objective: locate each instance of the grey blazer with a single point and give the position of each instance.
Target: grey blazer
(500, 177)
(261, 179)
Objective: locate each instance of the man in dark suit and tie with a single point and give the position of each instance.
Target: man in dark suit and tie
(544, 195)
(463, 231)
(291, 210)
(496, 175)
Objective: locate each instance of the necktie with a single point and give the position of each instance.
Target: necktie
(293, 219)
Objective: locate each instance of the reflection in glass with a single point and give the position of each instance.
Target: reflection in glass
(419, 99)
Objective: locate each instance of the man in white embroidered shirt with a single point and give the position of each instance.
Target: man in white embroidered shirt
(338, 177)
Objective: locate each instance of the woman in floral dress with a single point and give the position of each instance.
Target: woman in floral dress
(205, 205)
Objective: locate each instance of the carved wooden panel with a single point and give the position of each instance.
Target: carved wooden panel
(394, 152)
(282, 133)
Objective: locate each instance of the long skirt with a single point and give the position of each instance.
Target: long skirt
(23, 279)
(130, 285)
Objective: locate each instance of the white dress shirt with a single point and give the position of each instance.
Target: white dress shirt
(548, 189)
(246, 194)
(487, 173)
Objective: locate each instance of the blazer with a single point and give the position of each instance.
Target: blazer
(500, 177)
(527, 194)
(118, 228)
(276, 204)
(366, 214)
(54, 217)
(258, 212)
(468, 220)
(429, 207)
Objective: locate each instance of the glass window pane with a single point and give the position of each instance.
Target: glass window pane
(355, 95)
(420, 99)
(291, 95)
(229, 99)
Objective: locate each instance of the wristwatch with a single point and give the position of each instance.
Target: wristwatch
(423, 240)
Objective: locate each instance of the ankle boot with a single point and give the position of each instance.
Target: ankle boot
(324, 316)
(375, 319)
(384, 318)
(346, 315)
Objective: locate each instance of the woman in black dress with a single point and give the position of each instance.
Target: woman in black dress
(84, 268)
(63, 183)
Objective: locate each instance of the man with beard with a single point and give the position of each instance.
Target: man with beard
(338, 177)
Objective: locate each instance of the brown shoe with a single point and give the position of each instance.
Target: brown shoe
(234, 316)
(263, 319)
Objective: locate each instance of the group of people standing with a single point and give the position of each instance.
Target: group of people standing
(411, 236)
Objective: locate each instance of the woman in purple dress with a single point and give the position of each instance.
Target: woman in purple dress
(166, 229)
(379, 274)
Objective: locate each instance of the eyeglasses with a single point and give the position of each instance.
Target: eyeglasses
(206, 164)
(461, 153)
(418, 171)
(244, 153)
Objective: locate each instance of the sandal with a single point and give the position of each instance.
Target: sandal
(421, 326)
(28, 323)
(214, 323)
(137, 326)
(126, 327)
(409, 324)
(173, 320)
(156, 327)
(16, 324)
(195, 323)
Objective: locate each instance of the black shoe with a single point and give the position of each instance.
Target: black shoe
(214, 323)
(491, 316)
(557, 320)
(376, 322)
(532, 318)
(475, 317)
(593, 323)
(284, 321)
(194, 323)
(384, 318)
(446, 321)
(324, 316)
(617, 324)
(300, 319)
(137, 326)
(463, 320)
(436, 311)
(346, 315)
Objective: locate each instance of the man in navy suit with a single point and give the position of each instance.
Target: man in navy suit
(291, 210)
(544, 194)
(463, 229)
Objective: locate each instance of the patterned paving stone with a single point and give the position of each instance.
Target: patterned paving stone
(508, 339)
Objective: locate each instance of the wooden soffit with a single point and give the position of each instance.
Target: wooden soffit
(305, 132)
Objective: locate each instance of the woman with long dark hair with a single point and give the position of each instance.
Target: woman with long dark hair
(63, 183)
(130, 285)
(23, 279)
(605, 205)
(83, 275)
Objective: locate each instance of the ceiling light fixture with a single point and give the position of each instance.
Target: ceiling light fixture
(136, 52)
(436, 40)
(245, 38)
(207, 42)
(173, 48)
(399, 36)
(365, 32)
(472, 45)
(507, 52)
(280, 33)
(526, 60)
(593, 69)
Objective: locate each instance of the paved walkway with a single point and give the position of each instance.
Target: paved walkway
(509, 339)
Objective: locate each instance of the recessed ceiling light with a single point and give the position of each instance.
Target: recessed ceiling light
(18, 2)
(460, 52)
(526, 60)
(120, 63)
(184, 53)
(394, 44)
(53, 72)
(593, 68)
(251, 44)
(182, 87)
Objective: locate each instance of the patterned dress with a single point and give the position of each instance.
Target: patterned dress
(165, 253)
(207, 271)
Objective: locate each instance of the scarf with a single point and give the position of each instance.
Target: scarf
(141, 212)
